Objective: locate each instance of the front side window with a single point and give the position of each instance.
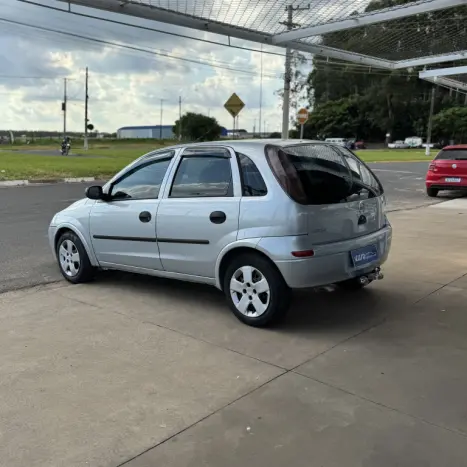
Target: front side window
(141, 182)
(202, 176)
(252, 181)
(321, 174)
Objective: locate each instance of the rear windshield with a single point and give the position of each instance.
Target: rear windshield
(452, 154)
(322, 174)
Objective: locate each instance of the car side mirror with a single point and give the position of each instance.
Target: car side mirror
(94, 192)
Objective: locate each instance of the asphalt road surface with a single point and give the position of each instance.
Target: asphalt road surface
(25, 213)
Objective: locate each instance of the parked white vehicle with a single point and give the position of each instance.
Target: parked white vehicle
(414, 142)
(398, 145)
(338, 141)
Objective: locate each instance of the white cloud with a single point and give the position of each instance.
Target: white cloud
(125, 86)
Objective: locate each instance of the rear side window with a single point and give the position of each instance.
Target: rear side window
(321, 174)
(203, 176)
(361, 173)
(452, 154)
(252, 180)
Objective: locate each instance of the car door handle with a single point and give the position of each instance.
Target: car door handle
(217, 217)
(145, 216)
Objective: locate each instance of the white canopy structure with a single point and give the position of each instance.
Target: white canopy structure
(312, 25)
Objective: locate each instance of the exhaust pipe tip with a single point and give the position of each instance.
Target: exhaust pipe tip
(364, 280)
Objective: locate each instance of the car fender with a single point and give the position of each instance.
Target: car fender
(244, 243)
(76, 227)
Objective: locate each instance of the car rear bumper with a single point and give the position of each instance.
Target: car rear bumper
(332, 262)
(447, 186)
(439, 182)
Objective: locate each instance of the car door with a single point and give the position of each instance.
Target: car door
(123, 228)
(198, 215)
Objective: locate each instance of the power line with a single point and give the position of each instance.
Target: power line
(133, 48)
(30, 77)
(146, 28)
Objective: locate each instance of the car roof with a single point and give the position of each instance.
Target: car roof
(251, 142)
(254, 148)
(245, 144)
(455, 146)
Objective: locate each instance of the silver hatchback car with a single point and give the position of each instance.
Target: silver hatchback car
(253, 218)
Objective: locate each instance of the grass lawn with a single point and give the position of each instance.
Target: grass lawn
(395, 155)
(17, 165)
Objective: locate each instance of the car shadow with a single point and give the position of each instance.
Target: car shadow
(321, 309)
(448, 195)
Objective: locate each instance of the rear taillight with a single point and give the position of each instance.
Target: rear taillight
(432, 167)
(303, 253)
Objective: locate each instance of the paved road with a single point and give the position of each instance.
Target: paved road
(25, 213)
(403, 184)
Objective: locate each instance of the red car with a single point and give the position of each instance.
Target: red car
(448, 170)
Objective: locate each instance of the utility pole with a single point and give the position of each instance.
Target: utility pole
(261, 93)
(430, 121)
(86, 120)
(64, 107)
(288, 70)
(180, 118)
(160, 126)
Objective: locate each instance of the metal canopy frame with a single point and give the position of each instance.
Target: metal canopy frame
(438, 76)
(314, 27)
(356, 21)
(200, 15)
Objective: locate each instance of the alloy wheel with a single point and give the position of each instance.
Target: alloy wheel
(250, 291)
(69, 258)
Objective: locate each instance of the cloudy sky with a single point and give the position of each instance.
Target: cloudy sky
(125, 85)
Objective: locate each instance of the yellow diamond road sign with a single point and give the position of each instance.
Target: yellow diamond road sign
(234, 105)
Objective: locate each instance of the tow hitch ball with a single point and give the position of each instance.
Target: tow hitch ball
(375, 275)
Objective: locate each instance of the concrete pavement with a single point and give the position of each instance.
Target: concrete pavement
(146, 372)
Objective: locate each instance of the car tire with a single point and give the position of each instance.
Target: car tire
(256, 291)
(432, 192)
(73, 259)
(352, 285)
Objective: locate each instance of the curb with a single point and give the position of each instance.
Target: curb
(8, 183)
(396, 162)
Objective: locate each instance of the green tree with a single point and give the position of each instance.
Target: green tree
(298, 83)
(275, 134)
(198, 127)
(393, 101)
(341, 118)
(451, 124)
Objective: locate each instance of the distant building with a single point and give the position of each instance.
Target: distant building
(151, 131)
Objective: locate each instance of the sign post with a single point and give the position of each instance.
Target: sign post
(302, 118)
(234, 106)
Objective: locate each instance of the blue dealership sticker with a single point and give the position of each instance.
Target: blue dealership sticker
(364, 255)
